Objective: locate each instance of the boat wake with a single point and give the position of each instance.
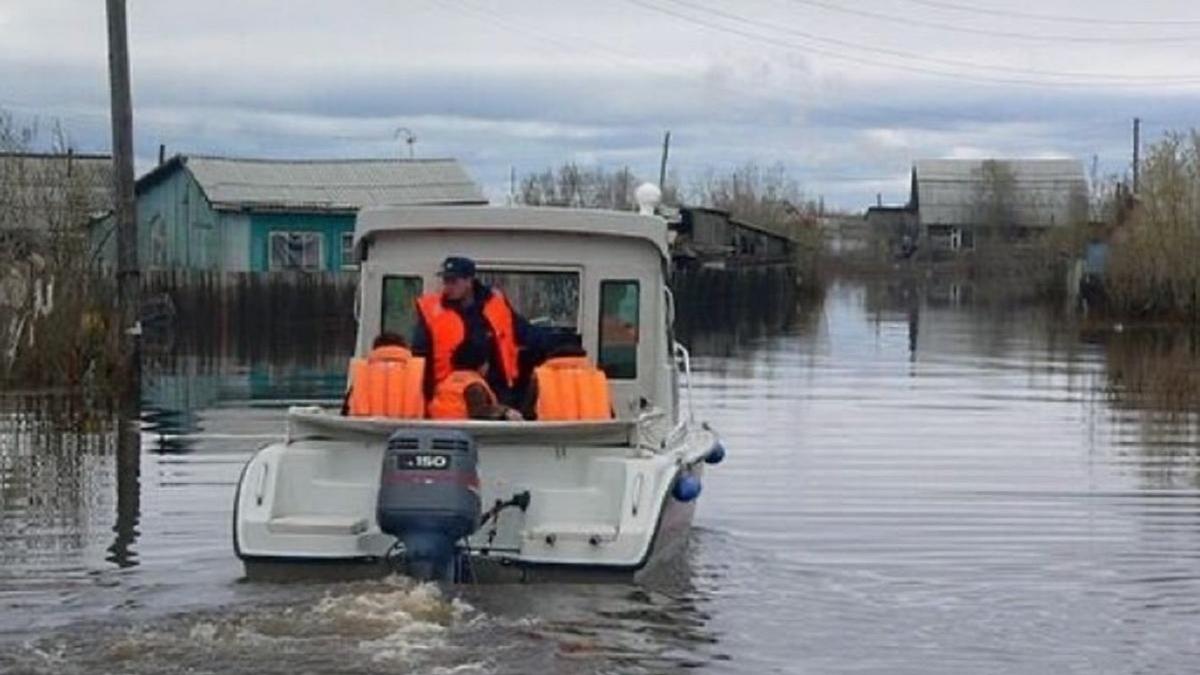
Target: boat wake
(379, 626)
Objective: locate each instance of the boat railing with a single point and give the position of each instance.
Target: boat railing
(683, 360)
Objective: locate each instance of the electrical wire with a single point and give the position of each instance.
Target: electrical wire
(576, 40)
(909, 21)
(1100, 77)
(637, 62)
(1057, 18)
(807, 48)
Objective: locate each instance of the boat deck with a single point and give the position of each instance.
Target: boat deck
(305, 423)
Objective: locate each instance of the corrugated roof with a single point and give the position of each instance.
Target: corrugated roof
(1045, 192)
(40, 191)
(328, 185)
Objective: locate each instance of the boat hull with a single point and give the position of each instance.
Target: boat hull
(529, 556)
(669, 546)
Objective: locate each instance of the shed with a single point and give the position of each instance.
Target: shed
(893, 229)
(259, 215)
(958, 199)
(712, 236)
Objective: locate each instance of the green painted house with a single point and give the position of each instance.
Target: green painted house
(262, 215)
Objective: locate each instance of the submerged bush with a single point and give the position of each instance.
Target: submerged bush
(56, 317)
(1155, 264)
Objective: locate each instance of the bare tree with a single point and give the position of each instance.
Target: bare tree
(768, 197)
(571, 185)
(1153, 266)
(995, 202)
(49, 325)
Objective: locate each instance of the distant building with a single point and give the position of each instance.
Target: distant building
(894, 229)
(262, 215)
(42, 194)
(955, 202)
(713, 238)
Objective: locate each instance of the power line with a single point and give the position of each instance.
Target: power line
(1099, 77)
(575, 41)
(903, 20)
(1057, 18)
(806, 48)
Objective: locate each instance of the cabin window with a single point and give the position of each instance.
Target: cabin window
(400, 304)
(295, 251)
(349, 262)
(549, 299)
(620, 308)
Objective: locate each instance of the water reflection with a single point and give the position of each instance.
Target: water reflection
(181, 390)
(129, 489)
(719, 312)
(919, 480)
(1153, 384)
(970, 501)
(1144, 380)
(56, 473)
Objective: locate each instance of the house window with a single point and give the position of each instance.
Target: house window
(295, 251)
(967, 239)
(400, 304)
(349, 260)
(620, 309)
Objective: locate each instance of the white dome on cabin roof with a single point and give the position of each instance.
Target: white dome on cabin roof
(648, 197)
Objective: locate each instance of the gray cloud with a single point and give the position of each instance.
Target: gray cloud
(535, 83)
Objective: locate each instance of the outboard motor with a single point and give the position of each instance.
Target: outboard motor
(429, 497)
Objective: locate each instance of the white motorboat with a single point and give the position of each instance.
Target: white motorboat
(592, 496)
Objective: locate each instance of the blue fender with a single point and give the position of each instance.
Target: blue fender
(716, 454)
(686, 488)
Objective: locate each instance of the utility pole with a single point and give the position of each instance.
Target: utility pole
(662, 168)
(129, 288)
(1137, 146)
(124, 205)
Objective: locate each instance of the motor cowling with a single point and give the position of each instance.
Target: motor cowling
(429, 497)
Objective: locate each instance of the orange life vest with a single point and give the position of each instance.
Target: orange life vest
(450, 399)
(572, 388)
(447, 331)
(388, 383)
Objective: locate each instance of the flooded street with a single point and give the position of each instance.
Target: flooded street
(914, 485)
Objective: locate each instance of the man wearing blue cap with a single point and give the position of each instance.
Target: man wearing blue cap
(467, 310)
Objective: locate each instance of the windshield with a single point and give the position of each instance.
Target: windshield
(544, 298)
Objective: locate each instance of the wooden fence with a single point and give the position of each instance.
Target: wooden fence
(250, 312)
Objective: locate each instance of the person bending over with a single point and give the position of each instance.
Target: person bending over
(465, 393)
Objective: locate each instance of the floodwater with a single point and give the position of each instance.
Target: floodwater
(916, 484)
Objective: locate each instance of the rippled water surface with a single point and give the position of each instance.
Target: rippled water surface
(913, 486)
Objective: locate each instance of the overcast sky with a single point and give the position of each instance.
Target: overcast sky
(845, 94)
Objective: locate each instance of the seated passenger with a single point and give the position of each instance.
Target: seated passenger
(568, 387)
(388, 383)
(465, 393)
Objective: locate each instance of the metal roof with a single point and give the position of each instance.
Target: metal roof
(1045, 192)
(589, 222)
(41, 191)
(324, 185)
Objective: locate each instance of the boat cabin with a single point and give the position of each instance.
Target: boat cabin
(613, 495)
(599, 275)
